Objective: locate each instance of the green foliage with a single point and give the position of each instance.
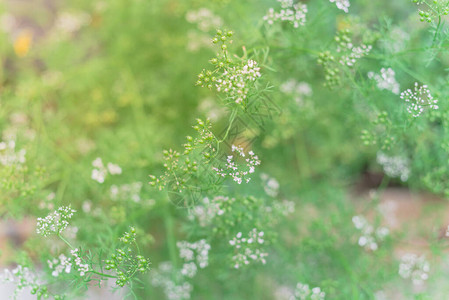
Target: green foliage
(325, 92)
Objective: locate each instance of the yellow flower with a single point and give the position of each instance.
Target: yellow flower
(22, 43)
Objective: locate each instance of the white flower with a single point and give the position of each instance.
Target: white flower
(208, 210)
(70, 22)
(198, 252)
(394, 166)
(100, 172)
(55, 222)
(98, 175)
(303, 292)
(369, 235)
(8, 154)
(271, 185)
(235, 81)
(292, 13)
(171, 281)
(126, 192)
(248, 248)
(342, 4)
(354, 53)
(386, 80)
(418, 100)
(234, 170)
(414, 267)
(189, 269)
(114, 169)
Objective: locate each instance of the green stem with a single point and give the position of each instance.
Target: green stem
(90, 271)
(436, 31)
(101, 274)
(231, 120)
(65, 241)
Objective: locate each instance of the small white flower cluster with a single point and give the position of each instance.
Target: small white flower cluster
(21, 276)
(370, 236)
(247, 248)
(64, 264)
(299, 90)
(234, 81)
(60, 265)
(285, 207)
(386, 80)
(47, 202)
(208, 210)
(55, 222)
(82, 268)
(303, 292)
(414, 267)
(100, 171)
(418, 100)
(204, 19)
(8, 154)
(342, 4)
(175, 288)
(187, 252)
(294, 13)
(354, 53)
(234, 170)
(71, 22)
(126, 192)
(270, 185)
(397, 40)
(394, 166)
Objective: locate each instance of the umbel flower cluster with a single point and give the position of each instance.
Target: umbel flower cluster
(208, 209)
(294, 13)
(385, 80)
(370, 237)
(248, 248)
(235, 170)
(187, 252)
(414, 267)
(346, 55)
(394, 166)
(174, 282)
(8, 154)
(56, 222)
(233, 79)
(303, 292)
(298, 90)
(64, 264)
(342, 4)
(350, 52)
(100, 172)
(418, 100)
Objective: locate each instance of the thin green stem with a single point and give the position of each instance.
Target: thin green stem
(101, 274)
(231, 121)
(436, 30)
(65, 241)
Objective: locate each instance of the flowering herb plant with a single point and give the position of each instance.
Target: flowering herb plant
(306, 116)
